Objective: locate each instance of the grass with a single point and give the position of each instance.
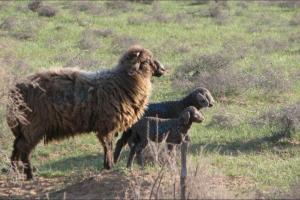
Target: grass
(259, 37)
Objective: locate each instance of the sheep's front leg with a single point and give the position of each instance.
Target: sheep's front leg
(107, 143)
(139, 152)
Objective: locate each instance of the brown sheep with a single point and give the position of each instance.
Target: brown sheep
(68, 102)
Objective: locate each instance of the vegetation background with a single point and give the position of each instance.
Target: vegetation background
(246, 52)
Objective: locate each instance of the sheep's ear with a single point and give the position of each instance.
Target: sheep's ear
(134, 60)
(185, 118)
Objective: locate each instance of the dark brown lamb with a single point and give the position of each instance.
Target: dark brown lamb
(173, 131)
(199, 98)
(68, 102)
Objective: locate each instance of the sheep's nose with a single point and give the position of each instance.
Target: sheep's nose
(210, 105)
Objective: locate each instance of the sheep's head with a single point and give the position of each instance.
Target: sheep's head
(190, 115)
(201, 98)
(137, 60)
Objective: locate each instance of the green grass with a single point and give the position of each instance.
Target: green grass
(239, 151)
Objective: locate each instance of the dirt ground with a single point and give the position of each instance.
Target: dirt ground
(117, 184)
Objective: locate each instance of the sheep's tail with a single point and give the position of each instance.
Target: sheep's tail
(121, 143)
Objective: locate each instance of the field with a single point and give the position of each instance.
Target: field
(246, 52)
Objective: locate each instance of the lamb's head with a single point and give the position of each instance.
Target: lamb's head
(190, 115)
(139, 61)
(201, 98)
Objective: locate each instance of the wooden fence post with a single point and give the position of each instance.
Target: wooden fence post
(183, 175)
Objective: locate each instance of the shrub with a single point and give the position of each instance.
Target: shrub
(88, 7)
(289, 4)
(270, 45)
(47, 11)
(295, 21)
(224, 119)
(9, 23)
(199, 2)
(212, 71)
(121, 6)
(286, 119)
(25, 32)
(272, 81)
(103, 32)
(142, 1)
(34, 5)
(219, 12)
(88, 41)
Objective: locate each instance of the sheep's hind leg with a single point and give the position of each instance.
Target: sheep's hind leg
(25, 149)
(107, 143)
(15, 156)
(27, 165)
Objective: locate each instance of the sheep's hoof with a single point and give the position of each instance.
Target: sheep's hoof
(108, 166)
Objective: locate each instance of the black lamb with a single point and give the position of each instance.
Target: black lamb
(174, 131)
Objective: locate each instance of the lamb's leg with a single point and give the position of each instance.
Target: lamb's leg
(139, 151)
(131, 156)
(107, 143)
(120, 144)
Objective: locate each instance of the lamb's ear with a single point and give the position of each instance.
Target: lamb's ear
(185, 118)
